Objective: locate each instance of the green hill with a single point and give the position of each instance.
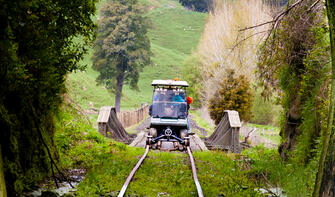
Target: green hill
(175, 32)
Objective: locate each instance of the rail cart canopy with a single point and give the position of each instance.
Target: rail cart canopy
(169, 83)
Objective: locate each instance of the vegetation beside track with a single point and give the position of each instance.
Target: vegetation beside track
(175, 32)
(201, 122)
(108, 164)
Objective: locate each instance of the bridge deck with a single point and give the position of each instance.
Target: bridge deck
(196, 144)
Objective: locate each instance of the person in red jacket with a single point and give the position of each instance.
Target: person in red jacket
(189, 100)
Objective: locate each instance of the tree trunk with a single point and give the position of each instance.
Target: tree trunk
(118, 92)
(325, 180)
(3, 192)
(291, 130)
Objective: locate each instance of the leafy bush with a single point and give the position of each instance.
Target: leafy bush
(295, 65)
(80, 145)
(295, 179)
(192, 75)
(38, 49)
(265, 112)
(234, 94)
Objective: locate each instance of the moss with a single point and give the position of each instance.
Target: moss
(295, 64)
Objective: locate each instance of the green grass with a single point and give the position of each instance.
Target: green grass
(174, 33)
(296, 179)
(169, 174)
(270, 132)
(108, 164)
(201, 122)
(260, 126)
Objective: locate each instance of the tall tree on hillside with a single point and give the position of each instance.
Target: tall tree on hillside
(122, 46)
(325, 181)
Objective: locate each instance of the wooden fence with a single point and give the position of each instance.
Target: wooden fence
(269, 137)
(128, 118)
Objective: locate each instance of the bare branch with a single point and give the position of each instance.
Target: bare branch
(237, 44)
(313, 5)
(277, 18)
(259, 25)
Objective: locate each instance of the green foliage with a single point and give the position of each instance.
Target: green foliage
(296, 179)
(192, 75)
(37, 50)
(201, 122)
(294, 63)
(198, 5)
(122, 46)
(175, 31)
(234, 93)
(316, 97)
(169, 173)
(79, 145)
(267, 132)
(222, 174)
(265, 111)
(108, 163)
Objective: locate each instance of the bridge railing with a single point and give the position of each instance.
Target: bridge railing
(129, 118)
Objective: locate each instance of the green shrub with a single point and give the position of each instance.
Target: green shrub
(191, 74)
(295, 179)
(234, 93)
(265, 112)
(295, 65)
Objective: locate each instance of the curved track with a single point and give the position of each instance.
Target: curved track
(125, 185)
(194, 172)
(132, 173)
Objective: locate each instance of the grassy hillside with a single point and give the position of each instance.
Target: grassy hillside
(175, 32)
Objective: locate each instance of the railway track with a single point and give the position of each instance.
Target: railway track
(137, 166)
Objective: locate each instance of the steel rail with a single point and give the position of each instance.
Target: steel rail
(125, 185)
(194, 172)
(132, 173)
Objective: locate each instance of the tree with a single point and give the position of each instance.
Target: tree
(222, 47)
(122, 46)
(192, 74)
(294, 63)
(234, 94)
(37, 51)
(325, 181)
(3, 192)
